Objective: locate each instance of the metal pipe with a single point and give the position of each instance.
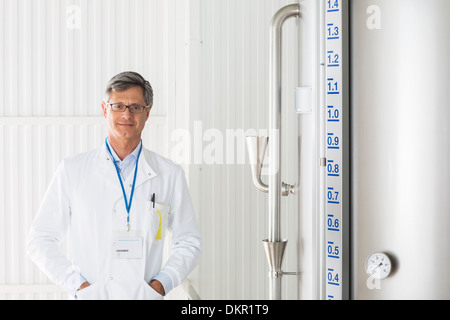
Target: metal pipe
(275, 184)
(256, 151)
(189, 290)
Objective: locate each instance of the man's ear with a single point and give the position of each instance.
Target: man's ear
(105, 109)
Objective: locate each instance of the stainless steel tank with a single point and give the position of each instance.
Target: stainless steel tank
(400, 134)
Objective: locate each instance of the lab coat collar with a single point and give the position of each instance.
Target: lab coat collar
(132, 156)
(108, 171)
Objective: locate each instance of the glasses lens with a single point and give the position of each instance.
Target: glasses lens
(136, 109)
(133, 109)
(118, 107)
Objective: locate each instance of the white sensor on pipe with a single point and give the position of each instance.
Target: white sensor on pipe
(303, 100)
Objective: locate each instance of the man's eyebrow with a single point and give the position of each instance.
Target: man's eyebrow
(133, 104)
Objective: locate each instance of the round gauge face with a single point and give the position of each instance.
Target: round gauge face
(378, 266)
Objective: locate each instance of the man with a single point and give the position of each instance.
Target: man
(117, 202)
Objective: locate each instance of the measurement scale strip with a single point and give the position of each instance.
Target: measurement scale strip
(334, 155)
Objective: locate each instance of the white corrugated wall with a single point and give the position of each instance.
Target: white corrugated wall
(208, 63)
(55, 60)
(229, 72)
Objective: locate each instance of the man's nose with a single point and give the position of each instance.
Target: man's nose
(127, 114)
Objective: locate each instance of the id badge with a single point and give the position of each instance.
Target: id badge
(127, 245)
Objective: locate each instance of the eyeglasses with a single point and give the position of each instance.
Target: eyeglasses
(122, 108)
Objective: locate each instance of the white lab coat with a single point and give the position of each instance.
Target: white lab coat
(85, 197)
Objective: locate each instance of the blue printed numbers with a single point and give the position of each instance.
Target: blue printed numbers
(332, 59)
(332, 86)
(333, 114)
(333, 32)
(333, 142)
(333, 277)
(333, 223)
(333, 250)
(333, 196)
(333, 169)
(333, 5)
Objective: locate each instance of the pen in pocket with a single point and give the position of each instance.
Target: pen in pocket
(153, 200)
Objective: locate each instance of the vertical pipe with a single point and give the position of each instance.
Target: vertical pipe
(275, 118)
(275, 184)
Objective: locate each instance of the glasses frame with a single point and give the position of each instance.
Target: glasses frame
(126, 107)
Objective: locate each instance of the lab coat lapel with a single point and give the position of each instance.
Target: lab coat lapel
(108, 171)
(145, 170)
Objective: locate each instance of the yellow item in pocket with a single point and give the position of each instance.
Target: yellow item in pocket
(159, 234)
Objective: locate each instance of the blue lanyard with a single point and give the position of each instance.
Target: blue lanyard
(127, 205)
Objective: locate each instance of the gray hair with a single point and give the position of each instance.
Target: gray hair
(127, 80)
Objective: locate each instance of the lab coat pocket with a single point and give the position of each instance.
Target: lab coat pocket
(161, 213)
(150, 293)
(96, 291)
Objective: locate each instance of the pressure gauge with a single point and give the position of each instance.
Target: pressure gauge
(379, 266)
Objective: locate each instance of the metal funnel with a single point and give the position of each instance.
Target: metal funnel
(275, 255)
(256, 147)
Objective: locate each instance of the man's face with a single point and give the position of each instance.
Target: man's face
(126, 125)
